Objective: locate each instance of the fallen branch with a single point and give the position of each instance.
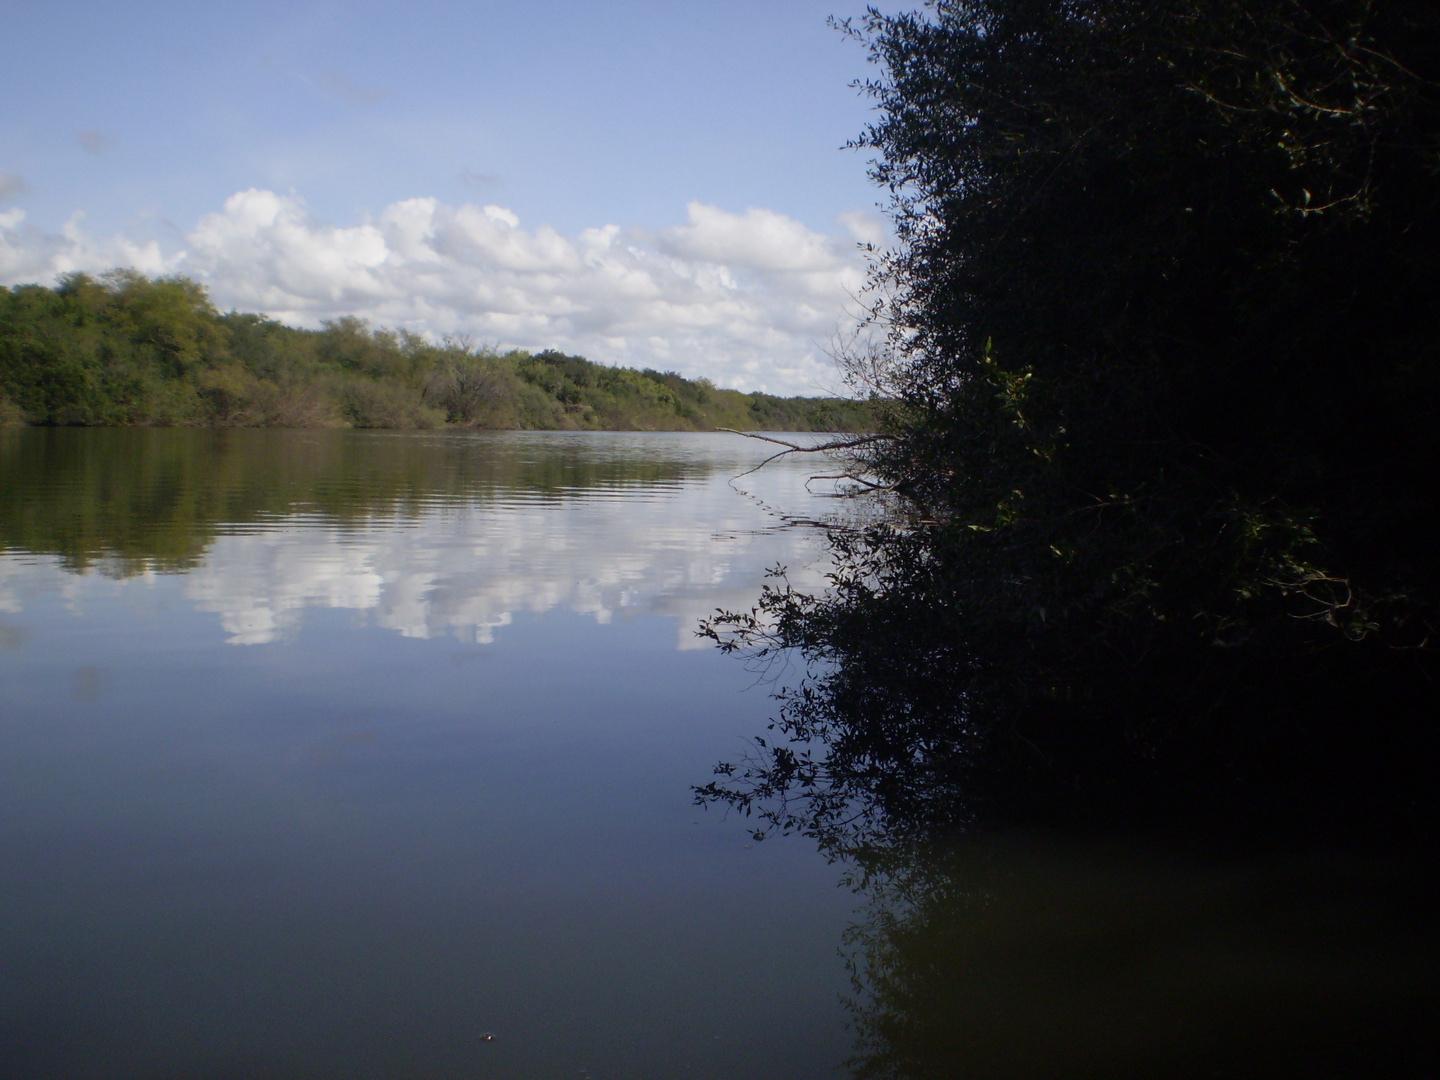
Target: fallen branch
(849, 443)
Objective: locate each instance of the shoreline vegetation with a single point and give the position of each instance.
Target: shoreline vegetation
(125, 350)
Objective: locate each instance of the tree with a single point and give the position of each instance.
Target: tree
(1166, 278)
(1163, 335)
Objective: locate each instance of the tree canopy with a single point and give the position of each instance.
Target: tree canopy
(1164, 310)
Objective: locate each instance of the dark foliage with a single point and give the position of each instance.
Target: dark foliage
(1164, 330)
(1165, 307)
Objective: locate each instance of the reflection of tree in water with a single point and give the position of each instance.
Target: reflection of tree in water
(1211, 898)
(918, 714)
(139, 499)
(1013, 957)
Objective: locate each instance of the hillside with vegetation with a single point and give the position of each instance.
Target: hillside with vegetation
(127, 350)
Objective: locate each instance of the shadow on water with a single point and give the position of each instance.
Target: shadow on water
(1208, 865)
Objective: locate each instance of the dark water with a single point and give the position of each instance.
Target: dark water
(325, 754)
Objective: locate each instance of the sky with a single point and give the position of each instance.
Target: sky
(648, 183)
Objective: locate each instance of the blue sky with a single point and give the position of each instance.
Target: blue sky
(665, 182)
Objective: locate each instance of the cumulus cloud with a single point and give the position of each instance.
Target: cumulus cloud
(747, 299)
(865, 228)
(29, 254)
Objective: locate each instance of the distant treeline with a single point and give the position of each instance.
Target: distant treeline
(127, 350)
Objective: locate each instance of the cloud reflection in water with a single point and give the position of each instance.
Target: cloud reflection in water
(679, 543)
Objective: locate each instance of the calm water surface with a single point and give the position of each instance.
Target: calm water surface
(324, 753)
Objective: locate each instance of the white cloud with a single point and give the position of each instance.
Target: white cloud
(747, 299)
(29, 254)
(865, 228)
(759, 240)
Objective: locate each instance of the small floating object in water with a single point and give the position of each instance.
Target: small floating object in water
(487, 1036)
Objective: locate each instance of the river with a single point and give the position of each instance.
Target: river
(331, 753)
(353, 755)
